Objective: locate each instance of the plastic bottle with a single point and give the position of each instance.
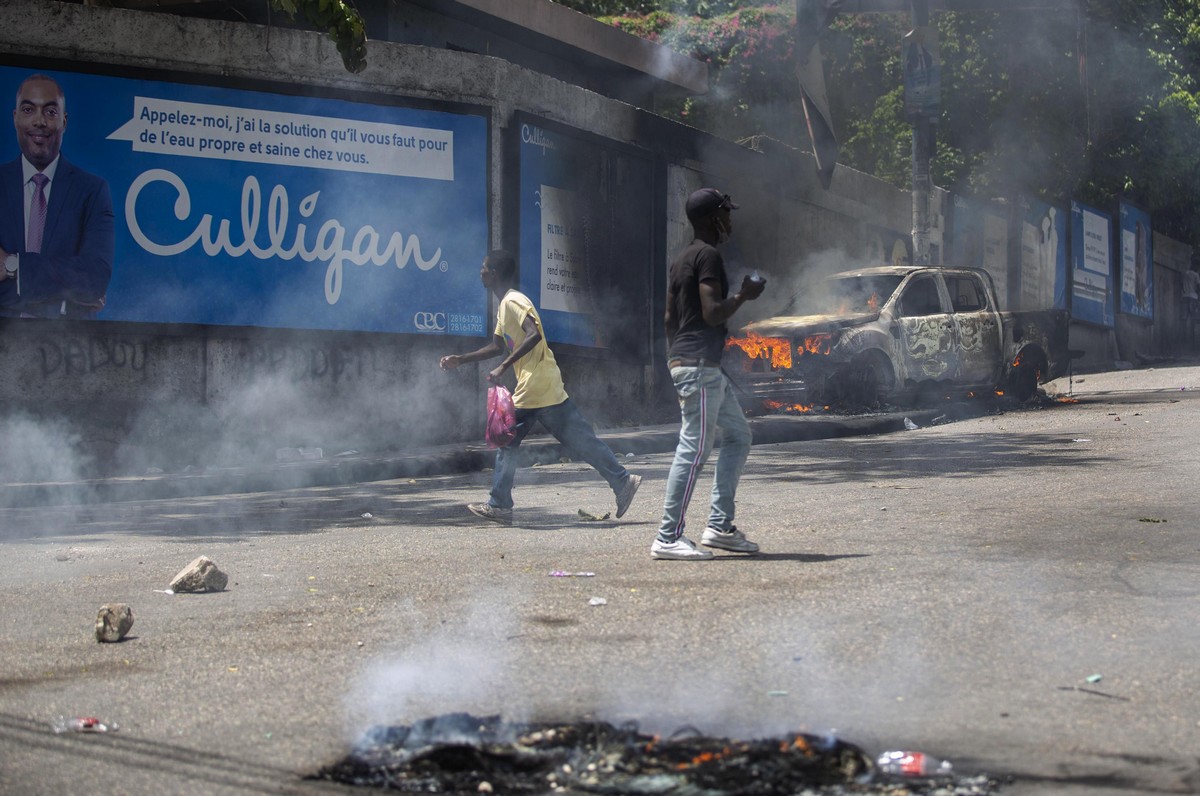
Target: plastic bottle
(913, 764)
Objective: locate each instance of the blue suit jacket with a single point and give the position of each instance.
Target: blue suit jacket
(76, 259)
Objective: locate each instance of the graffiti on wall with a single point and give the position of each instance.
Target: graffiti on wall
(72, 356)
(334, 364)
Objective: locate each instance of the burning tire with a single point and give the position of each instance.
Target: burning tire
(1026, 373)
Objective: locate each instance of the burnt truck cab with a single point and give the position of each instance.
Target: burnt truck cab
(893, 333)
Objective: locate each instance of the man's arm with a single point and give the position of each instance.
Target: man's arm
(670, 320)
(533, 335)
(717, 311)
(493, 349)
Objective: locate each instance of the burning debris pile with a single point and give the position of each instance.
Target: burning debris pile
(462, 754)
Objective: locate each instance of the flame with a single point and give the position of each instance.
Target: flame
(1066, 399)
(999, 392)
(798, 743)
(1037, 373)
(776, 350)
(704, 757)
(780, 405)
(851, 306)
(815, 344)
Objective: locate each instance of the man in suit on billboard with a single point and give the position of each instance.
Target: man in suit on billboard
(56, 220)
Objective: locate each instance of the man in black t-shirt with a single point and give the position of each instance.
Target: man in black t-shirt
(698, 305)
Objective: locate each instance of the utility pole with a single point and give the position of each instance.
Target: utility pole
(922, 107)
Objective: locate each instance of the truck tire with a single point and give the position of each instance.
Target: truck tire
(1023, 379)
(870, 378)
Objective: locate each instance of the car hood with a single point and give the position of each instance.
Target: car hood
(804, 325)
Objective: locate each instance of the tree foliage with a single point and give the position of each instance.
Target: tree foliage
(340, 20)
(1052, 105)
(753, 88)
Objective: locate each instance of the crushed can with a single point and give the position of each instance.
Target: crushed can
(913, 764)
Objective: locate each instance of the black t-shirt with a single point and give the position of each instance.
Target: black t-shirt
(695, 339)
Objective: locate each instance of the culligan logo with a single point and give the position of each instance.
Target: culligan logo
(328, 244)
(537, 136)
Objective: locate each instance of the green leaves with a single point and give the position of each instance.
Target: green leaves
(753, 86)
(1019, 115)
(342, 22)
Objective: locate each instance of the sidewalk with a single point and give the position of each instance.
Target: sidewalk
(436, 460)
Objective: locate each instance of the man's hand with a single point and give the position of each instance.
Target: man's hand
(752, 288)
(3, 270)
(450, 362)
(496, 373)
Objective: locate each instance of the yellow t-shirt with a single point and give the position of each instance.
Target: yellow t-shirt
(539, 381)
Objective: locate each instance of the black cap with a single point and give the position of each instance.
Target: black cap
(706, 201)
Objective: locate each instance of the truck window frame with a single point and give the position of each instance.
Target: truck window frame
(955, 284)
(909, 295)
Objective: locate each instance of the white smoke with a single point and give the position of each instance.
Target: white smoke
(459, 666)
(38, 451)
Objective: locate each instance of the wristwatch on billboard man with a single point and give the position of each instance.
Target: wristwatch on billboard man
(11, 263)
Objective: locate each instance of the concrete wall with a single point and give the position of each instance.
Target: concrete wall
(103, 395)
(1172, 260)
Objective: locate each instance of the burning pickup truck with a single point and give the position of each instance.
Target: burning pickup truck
(898, 334)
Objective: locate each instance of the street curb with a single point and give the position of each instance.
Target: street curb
(441, 460)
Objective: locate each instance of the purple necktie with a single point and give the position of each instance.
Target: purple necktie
(37, 213)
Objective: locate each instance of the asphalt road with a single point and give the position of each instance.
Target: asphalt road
(950, 589)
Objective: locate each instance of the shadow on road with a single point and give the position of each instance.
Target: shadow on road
(913, 456)
(202, 769)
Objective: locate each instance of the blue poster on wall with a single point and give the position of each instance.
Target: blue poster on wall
(1091, 265)
(1137, 262)
(586, 213)
(1043, 278)
(555, 230)
(180, 203)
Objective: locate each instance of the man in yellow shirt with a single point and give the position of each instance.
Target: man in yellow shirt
(539, 396)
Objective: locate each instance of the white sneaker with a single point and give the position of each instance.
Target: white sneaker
(732, 540)
(681, 549)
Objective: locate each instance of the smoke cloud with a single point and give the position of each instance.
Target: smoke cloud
(458, 666)
(37, 451)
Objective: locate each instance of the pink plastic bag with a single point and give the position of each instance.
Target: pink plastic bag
(501, 417)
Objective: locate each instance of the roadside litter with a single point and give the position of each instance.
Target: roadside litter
(590, 517)
(63, 724)
(559, 573)
(913, 764)
(461, 753)
(456, 752)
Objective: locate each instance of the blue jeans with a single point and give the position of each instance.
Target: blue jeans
(570, 428)
(707, 405)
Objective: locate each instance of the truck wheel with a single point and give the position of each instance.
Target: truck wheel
(870, 379)
(1023, 381)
